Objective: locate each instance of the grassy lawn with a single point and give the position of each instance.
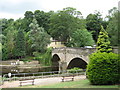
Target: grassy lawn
(73, 84)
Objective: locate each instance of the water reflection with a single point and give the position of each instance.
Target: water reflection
(14, 70)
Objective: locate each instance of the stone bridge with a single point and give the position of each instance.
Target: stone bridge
(67, 58)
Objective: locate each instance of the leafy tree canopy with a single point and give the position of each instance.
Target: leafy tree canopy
(64, 23)
(112, 27)
(81, 38)
(93, 24)
(20, 50)
(39, 38)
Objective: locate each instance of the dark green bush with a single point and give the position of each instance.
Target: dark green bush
(75, 69)
(103, 68)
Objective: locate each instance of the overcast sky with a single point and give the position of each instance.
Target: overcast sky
(16, 8)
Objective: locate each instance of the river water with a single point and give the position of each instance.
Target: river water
(15, 70)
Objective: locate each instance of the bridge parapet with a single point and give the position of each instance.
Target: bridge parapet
(74, 50)
(79, 50)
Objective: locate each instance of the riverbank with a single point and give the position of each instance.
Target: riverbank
(16, 66)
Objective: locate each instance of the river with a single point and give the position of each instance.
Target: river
(16, 70)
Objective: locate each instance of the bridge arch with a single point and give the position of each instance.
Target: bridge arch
(77, 62)
(55, 62)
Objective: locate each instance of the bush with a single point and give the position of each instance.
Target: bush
(44, 58)
(103, 68)
(73, 70)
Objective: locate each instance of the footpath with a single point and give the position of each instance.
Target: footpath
(41, 82)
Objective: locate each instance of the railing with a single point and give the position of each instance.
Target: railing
(20, 76)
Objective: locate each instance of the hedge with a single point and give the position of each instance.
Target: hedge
(103, 68)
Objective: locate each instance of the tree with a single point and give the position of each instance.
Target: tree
(8, 45)
(9, 41)
(42, 19)
(63, 23)
(103, 43)
(4, 24)
(39, 38)
(27, 20)
(81, 38)
(20, 45)
(93, 24)
(2, 39)
(112, 27)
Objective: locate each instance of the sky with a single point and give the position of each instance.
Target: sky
(16, 8)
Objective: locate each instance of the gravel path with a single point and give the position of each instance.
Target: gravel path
(41, 82)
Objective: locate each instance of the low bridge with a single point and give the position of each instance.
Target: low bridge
(67, 58)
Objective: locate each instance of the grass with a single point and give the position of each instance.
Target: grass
(73, 84)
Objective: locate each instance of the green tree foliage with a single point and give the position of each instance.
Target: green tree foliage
(63, 23)
(4, 24)
(27, 20)
(39, 38)
(93, 24)
(28, 44)
(42, 19)
(103, 68)
(103, 43)
(9, 41)
(112, 27)
(20, 45)
(46, 58)
(8, 37)
(81, 38)
(0, 51)
(2, 39)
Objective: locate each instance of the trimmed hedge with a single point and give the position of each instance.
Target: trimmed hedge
(103, 68)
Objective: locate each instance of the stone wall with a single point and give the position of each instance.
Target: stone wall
(67, 54)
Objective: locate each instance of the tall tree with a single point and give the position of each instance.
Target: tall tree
(63, 23)
(81, 38)
(20, 45)
(40, 39)
(9, 45)
(4, 24)
(27, 20)
(112, 27)
(9, 40)
(103, 43)
(42, 19)
(93, 24)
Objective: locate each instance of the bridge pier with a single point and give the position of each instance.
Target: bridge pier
(62, 66)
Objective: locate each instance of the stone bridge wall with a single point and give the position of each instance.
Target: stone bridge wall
(67, 54)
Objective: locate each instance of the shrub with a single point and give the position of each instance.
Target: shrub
(103, 43)
(73, 70)
(103, 68)
(44, 58)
